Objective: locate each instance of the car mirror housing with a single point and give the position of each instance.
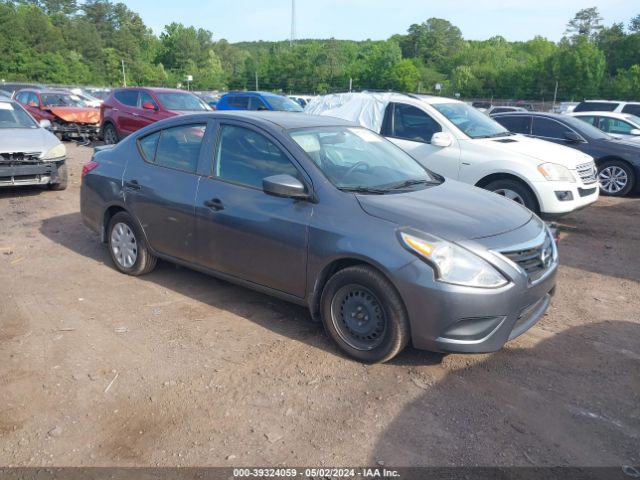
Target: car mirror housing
(284, 186)
(441, 139)
(572, 137)
(635, 131)
(149, 106)
(44, 123)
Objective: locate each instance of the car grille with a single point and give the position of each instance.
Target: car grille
(534, 261)
(15, 158)
(587, 173)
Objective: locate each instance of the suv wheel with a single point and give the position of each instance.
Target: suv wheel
(516, 191)
(363, 313)
(110, 135)
(616, 178)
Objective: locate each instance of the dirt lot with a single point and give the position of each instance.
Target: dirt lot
(177, 368)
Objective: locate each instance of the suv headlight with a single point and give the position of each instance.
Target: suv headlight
(58, 151)
(452, 263)
(556, 173)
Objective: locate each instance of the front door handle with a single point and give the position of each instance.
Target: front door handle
(132, 185)
(214, 204)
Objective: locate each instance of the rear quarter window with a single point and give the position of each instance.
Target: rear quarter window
(633, 109)
(127, 97)
(596, 107)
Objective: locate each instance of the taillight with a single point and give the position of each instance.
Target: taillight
(88, 167)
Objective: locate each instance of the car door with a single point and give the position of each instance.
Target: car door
(411, 129)
(160, 185)
(126, 121)
(146, 116)
(242, 231)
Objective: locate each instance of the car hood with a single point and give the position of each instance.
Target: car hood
(540, 151)
(26, 140)
(452, 210)
(76, 114)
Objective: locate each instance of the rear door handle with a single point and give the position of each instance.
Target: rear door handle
(135, 114)
(214, 204)
(132, 185)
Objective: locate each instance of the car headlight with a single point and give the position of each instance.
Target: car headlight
(56, 152)
(452, 263)
(556, 173)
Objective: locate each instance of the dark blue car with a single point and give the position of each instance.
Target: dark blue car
(257, 101)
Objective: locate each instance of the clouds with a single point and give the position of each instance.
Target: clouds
(376, 19)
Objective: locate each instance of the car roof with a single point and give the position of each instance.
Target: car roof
(152, 89)
(619, 115)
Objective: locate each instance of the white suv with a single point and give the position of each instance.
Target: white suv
(457, 141)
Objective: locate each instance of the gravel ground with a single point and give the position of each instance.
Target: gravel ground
(177, 368)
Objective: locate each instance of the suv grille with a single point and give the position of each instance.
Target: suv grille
(19, 158)
(587, 173)
(535, 261)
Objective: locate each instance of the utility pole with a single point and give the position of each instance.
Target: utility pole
(257, 82)
(293, 23)
(350, 84)
(124, 77)
(555, 94)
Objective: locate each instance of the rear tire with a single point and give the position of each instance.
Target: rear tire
(110, 135)
(515, 190)
(63, 179)
(616, 177)
(363, 313)
(127, 247)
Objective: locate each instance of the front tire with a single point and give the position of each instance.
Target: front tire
(63, 179)
(363, 313)
(617, 178)
(516, 191)
(110, 135)
(127, 246)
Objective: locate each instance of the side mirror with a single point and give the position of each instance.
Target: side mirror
(284, 186)
(573, 137)
(441, 139)
(44, 123)
(635, 131)
(33, 104)
(149, 106)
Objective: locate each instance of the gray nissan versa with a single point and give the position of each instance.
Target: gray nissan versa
(326, 214)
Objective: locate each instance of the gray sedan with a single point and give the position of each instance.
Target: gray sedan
(29, 153)
(326, 214)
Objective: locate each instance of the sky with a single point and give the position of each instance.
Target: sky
(250, 20)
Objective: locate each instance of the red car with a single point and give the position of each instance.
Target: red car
(126, 110)
(68, 114)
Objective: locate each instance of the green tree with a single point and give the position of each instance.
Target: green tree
(586, 23)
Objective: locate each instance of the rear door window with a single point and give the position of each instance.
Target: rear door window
(516, 124)
(177, 147)
(127, 97)
(545, 127)
(240, 103)
(615, 126)
(596, 107)
(411, 123)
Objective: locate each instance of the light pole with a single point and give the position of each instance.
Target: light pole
(189, 80)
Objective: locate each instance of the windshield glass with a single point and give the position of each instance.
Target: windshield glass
(633, 119)
(284, 104)
(470, 121)
(12, 116)
(356, 159)
(181, 101)
(584, 128)
(61, 100)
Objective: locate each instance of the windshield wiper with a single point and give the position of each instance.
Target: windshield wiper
(363, 189)
(496, 135)
(411, 183)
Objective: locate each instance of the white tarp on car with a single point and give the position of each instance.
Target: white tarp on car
(363, 108)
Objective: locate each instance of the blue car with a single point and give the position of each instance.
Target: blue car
(257, 101)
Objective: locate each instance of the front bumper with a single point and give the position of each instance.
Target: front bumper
(76, 130)
(40, 173)
(451, 318)
(559, 198)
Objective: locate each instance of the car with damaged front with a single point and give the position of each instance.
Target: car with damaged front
(29, 153)
(69, 115)
(324, 213)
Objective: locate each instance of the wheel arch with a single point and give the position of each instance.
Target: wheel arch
(486, 180)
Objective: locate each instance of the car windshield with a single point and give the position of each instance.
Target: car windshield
(181, 101)
(283, 104)
(12, 116)
(633, 119)
(470, 121)
(359, 160)
(584, 128)
(61, 100)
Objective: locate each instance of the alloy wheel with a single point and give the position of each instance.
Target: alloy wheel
(510, 194)
(613, 179)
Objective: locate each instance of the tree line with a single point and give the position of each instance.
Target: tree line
(67, 42)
